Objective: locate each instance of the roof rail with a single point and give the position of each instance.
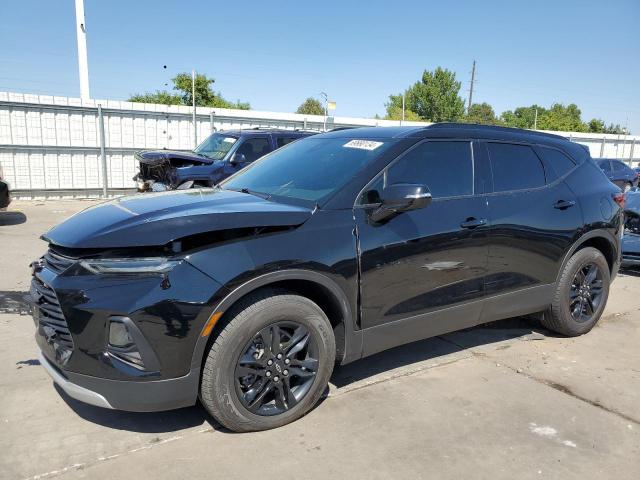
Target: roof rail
(493, 128)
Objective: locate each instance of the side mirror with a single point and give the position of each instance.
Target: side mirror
(237, 158)
(401, 197)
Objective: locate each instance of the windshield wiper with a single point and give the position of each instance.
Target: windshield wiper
(264, 196)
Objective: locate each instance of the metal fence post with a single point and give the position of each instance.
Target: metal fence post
(211, 127)
(103, 155)
(604, 140)
(633, 145)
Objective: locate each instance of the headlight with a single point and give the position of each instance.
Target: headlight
(129, 265)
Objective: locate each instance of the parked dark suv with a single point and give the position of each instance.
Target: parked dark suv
(619, 173)
(328, 250)
(220, 155)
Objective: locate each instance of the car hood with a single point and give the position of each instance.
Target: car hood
(157, 219)
(154, 157)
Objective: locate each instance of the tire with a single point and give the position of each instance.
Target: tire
(221, 392)
(559, 317)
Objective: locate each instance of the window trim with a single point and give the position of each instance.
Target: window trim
(532, 147)
(544, 162)
(470, 141)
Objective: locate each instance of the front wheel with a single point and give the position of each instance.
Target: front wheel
(270, 364)
(581, 294)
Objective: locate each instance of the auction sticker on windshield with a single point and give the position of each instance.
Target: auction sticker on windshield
(362, 144)
(230, 140)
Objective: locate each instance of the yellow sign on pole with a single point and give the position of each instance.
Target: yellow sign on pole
(331, 105)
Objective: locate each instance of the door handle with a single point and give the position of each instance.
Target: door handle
(473, 222)
(564, 204)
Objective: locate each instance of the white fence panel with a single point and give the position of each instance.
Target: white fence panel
(52, 144)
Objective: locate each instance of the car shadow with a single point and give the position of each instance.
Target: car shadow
(406, 355)
(153, 422)
(12, 218)
(631, 271)
(436, 347)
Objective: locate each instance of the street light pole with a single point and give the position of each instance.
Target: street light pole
(193, 101)
(326, 110)
(83, 64)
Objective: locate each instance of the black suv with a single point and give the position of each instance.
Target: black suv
(219, 156)
(328, 250)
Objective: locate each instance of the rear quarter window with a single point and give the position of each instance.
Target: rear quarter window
(560, 163)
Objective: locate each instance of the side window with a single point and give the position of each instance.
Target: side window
(559, 162)
(254, 148)
(619, 166)
(515, 167)
(446, 168)
(282, 141)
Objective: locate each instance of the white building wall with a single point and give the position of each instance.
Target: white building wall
(52, 143)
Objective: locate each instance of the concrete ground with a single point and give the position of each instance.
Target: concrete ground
(505, 401)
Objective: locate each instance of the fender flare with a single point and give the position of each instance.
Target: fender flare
(352, 348)
(597, 233)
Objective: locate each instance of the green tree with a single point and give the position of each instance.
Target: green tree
(522, 117)
(394, 110)
(595, 125)
(434, 98)
(205, 95)
(160, 96)
(311, 106)
(615, 129)
(563, 118)
(483, 114)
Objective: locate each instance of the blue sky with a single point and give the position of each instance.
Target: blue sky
(275, 54)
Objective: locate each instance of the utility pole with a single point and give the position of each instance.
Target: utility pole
(473, 79)
(535, 120)
(83, 64)
(193, 101)
(402, 109)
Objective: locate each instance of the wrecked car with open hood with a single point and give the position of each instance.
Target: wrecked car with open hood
(219, 156)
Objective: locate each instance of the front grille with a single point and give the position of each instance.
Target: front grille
(56, 262)
(50, 316)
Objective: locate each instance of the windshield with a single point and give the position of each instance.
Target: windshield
(310, 169)
(216, 146)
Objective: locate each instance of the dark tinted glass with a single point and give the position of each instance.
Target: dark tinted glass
(254, 148)
(605, 165)
(619, 166)
(445, 167)
(309, 169)
(560, 162)
(515, 167)
(282, 141)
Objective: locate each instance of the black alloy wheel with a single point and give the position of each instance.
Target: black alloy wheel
(276, 368)
(586, 293)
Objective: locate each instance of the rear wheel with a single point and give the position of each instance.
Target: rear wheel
(581, 294)
(270, 364)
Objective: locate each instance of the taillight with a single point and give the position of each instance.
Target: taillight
(619, 199)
